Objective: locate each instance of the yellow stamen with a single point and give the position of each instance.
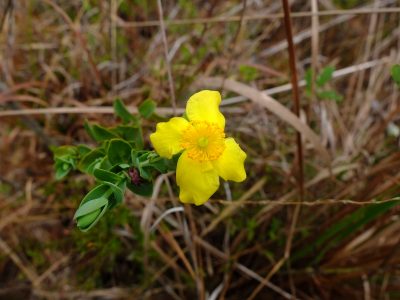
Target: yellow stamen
(203, 141)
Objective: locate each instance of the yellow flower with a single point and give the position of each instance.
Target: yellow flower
(206, 153)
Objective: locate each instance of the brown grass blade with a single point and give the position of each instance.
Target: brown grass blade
(272, 105)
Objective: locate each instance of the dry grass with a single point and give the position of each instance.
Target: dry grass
(66, 61)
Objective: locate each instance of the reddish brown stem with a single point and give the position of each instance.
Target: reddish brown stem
(295, 92)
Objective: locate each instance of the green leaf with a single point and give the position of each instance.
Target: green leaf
(65, 151)
(145, 173)
(118, 192)
(99, 200)
(325, 76)
(330, 95)
(69, 160)
(97, 192)
(130, 133)
(248, 73)
(104, 175)
(119, 151)
(308, 79)
(122, 112)
(138, 156)
(395, 72)
(99, 133)
(104, 164)
(141, 160)
(86, 222)
(144, 188)
(123, 166)
(343, 228)
(162, 165)
(150, 159)
(83, 149)
(251, 229)
(62, 169)
(90, 161)
(92, 207)
(146, 108)
(65, 158)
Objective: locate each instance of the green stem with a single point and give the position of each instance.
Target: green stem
(108, 193)
(147, 162)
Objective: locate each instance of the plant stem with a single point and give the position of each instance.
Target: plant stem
(295, 92)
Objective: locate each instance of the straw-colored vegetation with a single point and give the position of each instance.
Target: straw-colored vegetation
(316, 218)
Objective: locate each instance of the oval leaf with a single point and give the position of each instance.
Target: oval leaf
(117, 192)
(90, 207)
(89, 161)
(143, 189)
(118, 151)
(98, 133)
(325, 76)
(146, 109)
(86, 222)
(122, 112)
(395, 72)
(108, 176)
(130, 133)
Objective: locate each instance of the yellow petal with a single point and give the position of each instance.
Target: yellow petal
(197, 181)
(167, 138)
(204, 106)
(230, 165)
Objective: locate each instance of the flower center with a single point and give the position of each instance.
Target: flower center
(203, 141)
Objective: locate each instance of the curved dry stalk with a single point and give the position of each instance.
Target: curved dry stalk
(272, 105)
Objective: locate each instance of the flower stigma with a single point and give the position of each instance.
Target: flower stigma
(204, 141)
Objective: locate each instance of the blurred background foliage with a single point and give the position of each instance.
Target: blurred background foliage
(60, 54)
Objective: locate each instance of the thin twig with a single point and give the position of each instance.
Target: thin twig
(167, 62)
(295, 92)
(235, 42)
(28, 270)
(75, 28)
(242, 268)
(300, 178)
(95, 110)
(318, 202)
(314, 48)
(288, 87)
(113, 41)
(164, 214)
(273, 106)
(8, 8)
(255, 17)
(165, 110)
